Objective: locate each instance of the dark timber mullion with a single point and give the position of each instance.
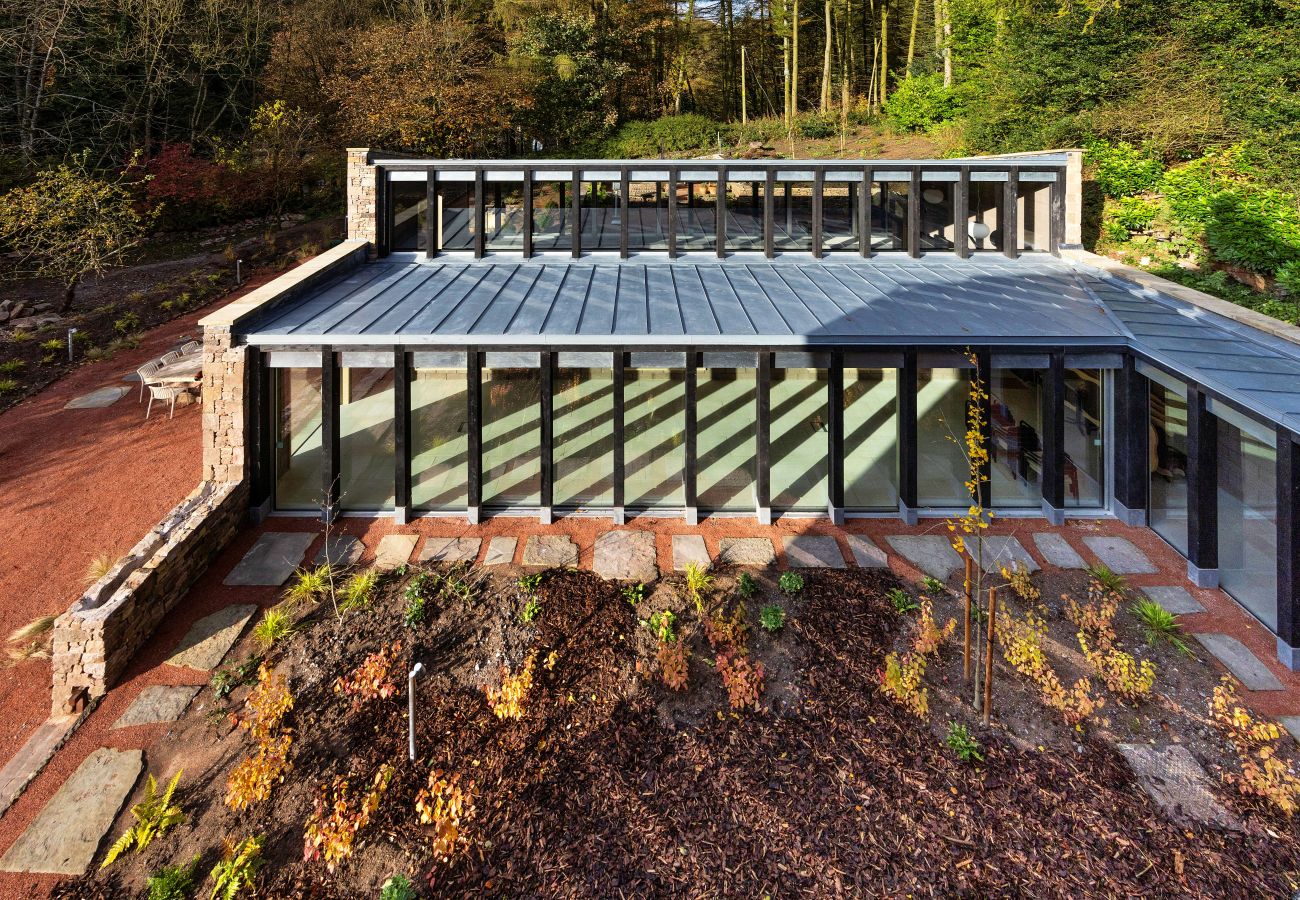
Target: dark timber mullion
(1288, 547)
(257, 403)
(431, 214)
(672, 213)
(1202, 491)
(819, 187)
(689, 481)
(864, 213)
(1053, 449)
(1058, 213)
(907, 378)
(763, 439)
(401, 435)
(1132, 462)
(1010, 219)
(480, 214)
(914, 213)
(620, 419)
(984, 372)
(547, 412)
(625, 200)
(961, 210)
(329, 433)
(835, 436)
(576, 213)
(528, 213)
(720, 213)
(474, 416)
(769, 210)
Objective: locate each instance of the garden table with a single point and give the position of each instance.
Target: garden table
(185, 370)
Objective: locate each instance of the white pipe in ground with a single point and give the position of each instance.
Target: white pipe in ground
(410, 705)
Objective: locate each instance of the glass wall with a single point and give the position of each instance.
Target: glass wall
(1247, 462)
(584, 437)
(792, 215)
(410, 205)
(366, 439)
(870, 439)
(654, 433)
(647, 219)
(602, 219)
(697, 215)
(799, 450)
(725, 409)
(1034, 215)
(1168, 462)
(941, 467)
(439, 440)
(1015, 431)
(456, 224)
(512, 437)
(983, 218)
(504, 219)
(745, 215)
(299, 461)
(840, 216)
(938, 219)
(1085, 438)
(552, 210)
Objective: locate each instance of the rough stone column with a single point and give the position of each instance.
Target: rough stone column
(224, 426)
(362, 200)
(1074, 198)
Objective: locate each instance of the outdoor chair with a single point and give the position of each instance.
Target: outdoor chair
(169, 356)
(146, 372)
(190, 347)
(167, 392)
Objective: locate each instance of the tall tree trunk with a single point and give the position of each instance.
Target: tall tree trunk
(825, 101)
(884, 53)
(794, 66)
(947, 43)
(911, 37)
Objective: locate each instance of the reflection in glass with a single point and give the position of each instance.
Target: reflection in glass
(602, 217)
(439, 439)
(298, 457)
(512, 460)
(938, 228)
(941, 467)
(792, 215)
(410, 204)
(870, 439)
(1247, 462)
(1015, 429)
(840, 216)
(725, 407)
(745, 215)
(366, 439)
(584, 437)
(504, 220)
(654, 432)
(697, 215)
(552, 210)
(1168, 458)
(456, 219)
(1034, 215)
(647, 221)
(1085, 439)
(799, 439)
(983, 219)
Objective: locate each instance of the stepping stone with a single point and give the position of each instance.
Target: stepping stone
(626, 556)
(1174, 600)
(809, 551)
(1057, 551)
(747, 552)
(931, 553)
(1238, 660)
(344, 550)
(1177, 783)
(65, 835)
(98, 399)
(32, 757)
(394, 550)
(444, 549)
(1291, 724)
(687, 549)
(500, 551)
(1000, 550)
(211, 638)
(865, 552)
(1119, 555)
(550, 551)
(158, 703)
(272, 559)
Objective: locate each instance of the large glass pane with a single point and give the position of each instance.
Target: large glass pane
(456, 223)
(602, 218)
(792, 215)
(366, 439)
(941, 467)
(870, 439)
(1248, 519)
(1085, 439)
(1016, 427)
(745, 215)
(798, 455)
(938, 221)
(584, 437)
(654, 436)
(410, 203)
(983, 219)
(1168, 449)
(647, 222)
(725, 410)
(512, 437)
(503, 224)
(439, 440)
(552, 210)
(840, 216)
(298, 457)
(697, 215)
(889, 215)
(1034, 215)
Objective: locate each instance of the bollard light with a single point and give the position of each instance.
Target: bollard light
(71, 332)
(410, 706)
(239, 272)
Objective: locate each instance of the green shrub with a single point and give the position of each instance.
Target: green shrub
(920, 102)
(12, 366)
(1132, 213)
(816, 127)
(398, 887)
(8, 385)
(127, 323)
(1288, 277)
(959, 741)
(790, 583)
(669, 134)
(772, 618)
(1122, 170)
(173, 882)
(1257, 229)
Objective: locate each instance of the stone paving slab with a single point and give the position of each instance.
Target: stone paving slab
(550, 550)
(32, 757)
(1119, 555)
(444, 549)
(687, 549)
(1000, 550)
(811, 551)
(747, 552)
(1177, 783)
(63, 838)
(1057, 551)
(271, 560)
(626, 556)
(98, 398)
(211, 638)
(344, 550)
(394, 550)
(1238, 659)
(500, 551)
(865, 552)
(1173, 599)
(931, 553)
(157, 703)
(1292, 724)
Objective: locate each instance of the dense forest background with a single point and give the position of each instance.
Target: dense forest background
(233, 108)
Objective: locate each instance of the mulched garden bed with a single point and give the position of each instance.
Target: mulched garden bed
(610, 785)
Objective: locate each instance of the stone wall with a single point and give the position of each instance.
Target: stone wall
(223, 407)
(362, 200)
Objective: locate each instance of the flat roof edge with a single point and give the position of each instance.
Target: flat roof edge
(323, 266)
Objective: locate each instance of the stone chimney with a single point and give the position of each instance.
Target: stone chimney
(363, 205)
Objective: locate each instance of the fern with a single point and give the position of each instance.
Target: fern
(153, 815)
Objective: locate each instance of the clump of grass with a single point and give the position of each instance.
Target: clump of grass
(12, 366)
(358, 590)
(276, 625)
(9, 385)
(772, 618)
(100, 566)
(1109, 580)
(698, 581)
(309, 585)
(31, 641)
(1158, 624)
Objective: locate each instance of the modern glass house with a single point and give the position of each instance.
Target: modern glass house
(768, 338)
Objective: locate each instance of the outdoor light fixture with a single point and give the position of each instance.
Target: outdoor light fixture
(979, 231)
(71, 332)
(410, 706)
(932, 195)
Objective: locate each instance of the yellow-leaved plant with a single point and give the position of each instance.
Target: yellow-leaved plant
(1257, 744)
(508, 701)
